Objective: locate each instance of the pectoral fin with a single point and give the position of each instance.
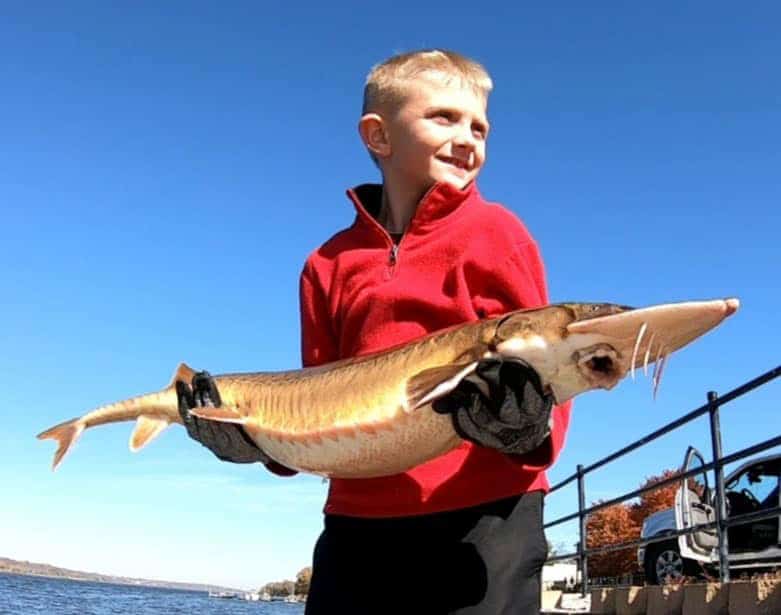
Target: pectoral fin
(435, 382)
(223, 414)
(147, 429)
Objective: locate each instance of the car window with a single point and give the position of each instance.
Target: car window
(699, 482)
(763, 487)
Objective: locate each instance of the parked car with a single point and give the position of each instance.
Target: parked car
(754, 486)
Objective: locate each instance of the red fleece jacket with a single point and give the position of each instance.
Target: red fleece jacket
(460, 260)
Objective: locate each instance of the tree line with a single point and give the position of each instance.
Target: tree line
(299, 587)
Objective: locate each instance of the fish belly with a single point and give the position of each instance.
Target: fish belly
(365, 451)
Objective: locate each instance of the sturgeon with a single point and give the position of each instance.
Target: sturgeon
(371, 416)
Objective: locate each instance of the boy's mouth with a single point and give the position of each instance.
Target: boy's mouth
(456, 162)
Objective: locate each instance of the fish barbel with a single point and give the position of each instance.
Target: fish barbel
(370, 416)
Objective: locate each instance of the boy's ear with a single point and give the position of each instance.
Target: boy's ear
(371, 127)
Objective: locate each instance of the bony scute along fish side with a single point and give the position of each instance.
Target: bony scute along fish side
(371, 416)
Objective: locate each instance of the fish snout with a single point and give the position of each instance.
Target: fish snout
(731, 306)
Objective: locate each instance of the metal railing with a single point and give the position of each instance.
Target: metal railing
(721, 522)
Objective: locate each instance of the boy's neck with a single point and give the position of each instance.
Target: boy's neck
(397, 208)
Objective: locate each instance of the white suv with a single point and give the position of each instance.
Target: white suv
(753, 486)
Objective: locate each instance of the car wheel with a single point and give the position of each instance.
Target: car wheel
(664, 564)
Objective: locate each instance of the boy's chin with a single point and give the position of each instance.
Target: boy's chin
(459, 183)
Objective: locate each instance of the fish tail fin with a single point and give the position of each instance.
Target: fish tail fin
(153, 412)
(66, 435)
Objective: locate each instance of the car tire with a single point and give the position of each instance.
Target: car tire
(664, 564)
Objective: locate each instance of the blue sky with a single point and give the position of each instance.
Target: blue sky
(165, 169)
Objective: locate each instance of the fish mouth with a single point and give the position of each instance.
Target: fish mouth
(600, 365)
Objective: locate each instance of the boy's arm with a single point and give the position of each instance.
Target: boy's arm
(526, 264)
(516, 417)
(318, 340)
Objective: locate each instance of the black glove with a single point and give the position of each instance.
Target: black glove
(513, 418)
(227, 441)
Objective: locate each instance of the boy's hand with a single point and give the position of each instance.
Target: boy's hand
(513, 418)
(227, 441)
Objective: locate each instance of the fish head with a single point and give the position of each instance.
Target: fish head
(576, 347)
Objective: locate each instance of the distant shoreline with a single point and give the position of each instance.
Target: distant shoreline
(32, 569)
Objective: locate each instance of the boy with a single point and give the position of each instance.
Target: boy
(461, 533)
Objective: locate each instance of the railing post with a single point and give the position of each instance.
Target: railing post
(718, 471)
(582, 559)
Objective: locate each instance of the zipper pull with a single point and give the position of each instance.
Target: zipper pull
(394, 254)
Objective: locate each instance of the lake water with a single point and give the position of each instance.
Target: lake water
(23, 595)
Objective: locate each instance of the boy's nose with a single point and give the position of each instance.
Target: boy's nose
(464, 138)
(464, 145)
(464, 148)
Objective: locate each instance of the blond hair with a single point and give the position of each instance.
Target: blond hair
(389, 82)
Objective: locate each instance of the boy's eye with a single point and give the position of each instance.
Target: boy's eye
(448, 116)
(444, 116)
(479, 131)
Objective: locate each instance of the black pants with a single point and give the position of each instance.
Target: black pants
(485, 560)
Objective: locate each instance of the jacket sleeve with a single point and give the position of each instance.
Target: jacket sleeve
(520, 283)
(318, 339)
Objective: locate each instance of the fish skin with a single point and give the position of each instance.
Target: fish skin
(370, 416)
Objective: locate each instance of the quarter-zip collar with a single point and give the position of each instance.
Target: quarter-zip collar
(438, 203)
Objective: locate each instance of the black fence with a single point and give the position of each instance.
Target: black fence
(721, 523)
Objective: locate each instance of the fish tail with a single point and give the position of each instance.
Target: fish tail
(66, 435)
(152, 412)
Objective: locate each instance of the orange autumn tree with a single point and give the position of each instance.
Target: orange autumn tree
(610, 526)
(656, 500)
(621, 523)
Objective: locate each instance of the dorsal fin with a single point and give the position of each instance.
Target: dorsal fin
(435, 382)
(184, 373)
